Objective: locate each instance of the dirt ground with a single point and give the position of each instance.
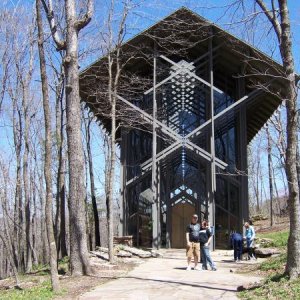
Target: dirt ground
(103, 272)
(73, 286)
(279, 223)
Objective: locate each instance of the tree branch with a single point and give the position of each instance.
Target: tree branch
(81, 23)
(61, 44)
(272, 17)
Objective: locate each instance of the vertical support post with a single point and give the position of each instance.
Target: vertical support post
(212, 139)
(242, 155)
(159, 215)
(168, 210)
(123, 227)
(155, 215)
(122, 189)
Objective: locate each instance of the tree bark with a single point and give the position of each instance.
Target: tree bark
(270, 169)
(26, 181)
(47, 166)
(293, 257)
(282, 29)
(18, 212)
(78, 240)
(33, 219)
(60, 220)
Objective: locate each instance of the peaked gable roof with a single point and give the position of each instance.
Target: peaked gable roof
(186, 34)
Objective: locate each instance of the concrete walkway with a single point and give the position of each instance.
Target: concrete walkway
(166, 278)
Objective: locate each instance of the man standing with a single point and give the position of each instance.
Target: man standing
(192, 242)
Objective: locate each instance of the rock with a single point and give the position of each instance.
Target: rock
(249, 286)
(155, 253)
(264, 242)
(266, 252)
(123, 253)
(259, 217)
(138, 252)
(102, 249)
(99, 254)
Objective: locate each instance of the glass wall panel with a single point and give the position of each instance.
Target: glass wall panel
(234, 199)
(225, 146)
(140, 145)
(221, 101)
(222, 193)
(221, 228)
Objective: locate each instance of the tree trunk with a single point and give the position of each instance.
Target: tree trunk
(92, 184)
(298, 164)
(45, 246)
(79, 259)
(6, 237)
(18, 212)
(62, 194)
(47, 166)
(33, 219)
(111, 175)
(111, 163)
(282, 29)
(293, 256)
(26, 183)
(270, 168)
(60, 223)
(10, 259)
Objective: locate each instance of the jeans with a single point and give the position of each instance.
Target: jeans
(205, 257)
(237, 249)
(250, 248)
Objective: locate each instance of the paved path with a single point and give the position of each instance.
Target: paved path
(166, 279)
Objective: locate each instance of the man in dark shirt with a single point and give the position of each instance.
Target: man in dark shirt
(236, 240)
(192, 243)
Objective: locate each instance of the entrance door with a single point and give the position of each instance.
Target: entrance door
(181, 218)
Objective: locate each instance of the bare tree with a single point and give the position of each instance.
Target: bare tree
(23, 59)
(87, 124)
(5, 234)
(48, 144)
(78, 241)
(114, 73)
(280, 22)
(4, 55)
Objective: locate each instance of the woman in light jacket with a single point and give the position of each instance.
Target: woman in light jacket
(249, 236)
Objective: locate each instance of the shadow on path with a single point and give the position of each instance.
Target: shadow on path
(182, 283)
